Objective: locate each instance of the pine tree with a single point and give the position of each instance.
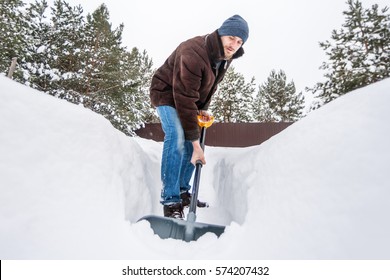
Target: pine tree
(132, 107)
(82, 61)
(232, 102)
(11, 35)
(66, 44)
(111, 77)
(35, 62)
(277, 100)
(142, 77)
(101, 54)
(359, 53)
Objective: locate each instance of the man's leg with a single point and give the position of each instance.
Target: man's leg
(187, 168)
(173, 149)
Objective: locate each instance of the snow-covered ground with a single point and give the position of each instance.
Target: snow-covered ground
(73, 187)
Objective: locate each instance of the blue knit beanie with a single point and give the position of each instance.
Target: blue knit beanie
(235, 26)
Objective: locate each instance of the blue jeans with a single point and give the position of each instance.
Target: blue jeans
(176, 166)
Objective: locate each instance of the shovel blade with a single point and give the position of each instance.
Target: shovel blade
(179, 229)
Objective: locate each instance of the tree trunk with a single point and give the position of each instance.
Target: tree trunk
(12, 67)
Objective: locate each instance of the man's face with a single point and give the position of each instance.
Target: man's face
(231, 44)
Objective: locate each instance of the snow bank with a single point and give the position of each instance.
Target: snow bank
(73, 187)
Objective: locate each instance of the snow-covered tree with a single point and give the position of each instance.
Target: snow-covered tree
(277, 100)
(36, 60)
(65, 45)
(233, 100)
(142, 76)
(78, 59)
(11, 36)
(112, 79)
(359, 53)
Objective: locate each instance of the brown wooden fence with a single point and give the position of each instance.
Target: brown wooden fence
(225, 134)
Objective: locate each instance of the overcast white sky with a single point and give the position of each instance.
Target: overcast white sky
(283, 34)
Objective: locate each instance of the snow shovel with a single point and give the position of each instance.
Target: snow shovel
(188, 230)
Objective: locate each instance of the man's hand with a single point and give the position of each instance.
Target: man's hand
(205, 115)
(197, 154)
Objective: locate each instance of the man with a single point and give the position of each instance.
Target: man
(180, 90)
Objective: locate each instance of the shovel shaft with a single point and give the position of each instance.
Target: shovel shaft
(202, 137)
(198, 169)
(195, 188)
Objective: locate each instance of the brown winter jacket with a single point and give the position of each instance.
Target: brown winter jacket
(188, 79)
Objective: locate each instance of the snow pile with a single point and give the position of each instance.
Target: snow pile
(73, 187)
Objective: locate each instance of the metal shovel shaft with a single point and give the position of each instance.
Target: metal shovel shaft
(198, 169)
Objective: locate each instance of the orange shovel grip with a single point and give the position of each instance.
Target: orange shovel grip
(203, 123)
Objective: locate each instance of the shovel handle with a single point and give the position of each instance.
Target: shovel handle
(205, 121)
(198, 168)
